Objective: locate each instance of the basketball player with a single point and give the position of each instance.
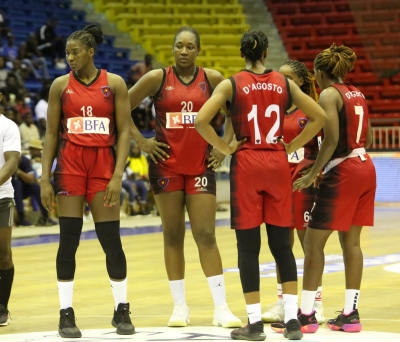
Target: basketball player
(300, 161)
(10, 150)
(180, 178)
(345, 199)
(260, 176)
(88, 114)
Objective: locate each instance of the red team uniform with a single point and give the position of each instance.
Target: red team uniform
(260, 176)
(86, 157)
(304, 157)
(347, 193)
(176, 105)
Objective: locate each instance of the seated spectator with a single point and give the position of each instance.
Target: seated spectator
(28, 130)
(10, 50)
(11, 114)
(52, 45)
(13, 89)
(21, 72)
(25, 185)
(140, 68)
(35, 152)
(137, 170)
(3, 74)
(30, 55)
(41, 108)
(3, 26)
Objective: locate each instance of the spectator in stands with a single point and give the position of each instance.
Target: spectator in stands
(41, 108)
(3, 26)
(3, 74)
(21, 72)
(142, 114)
(183, 181)
(51, 45)
(30, 55)
(137, 171)
(25, 185)
(140, 68)
(23, 103)
(345, 199)
(13, 89)
(10, 49)
(11, 113)
(28, 130)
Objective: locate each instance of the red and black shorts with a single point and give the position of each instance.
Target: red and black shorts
(164, 180)
(83, 171)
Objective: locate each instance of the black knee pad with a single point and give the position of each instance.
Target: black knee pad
(70, 232)
(248, 245)
(110, 240)
(279, 244)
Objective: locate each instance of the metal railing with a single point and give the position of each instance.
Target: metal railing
(386, 138)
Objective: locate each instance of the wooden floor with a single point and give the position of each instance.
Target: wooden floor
(34, 302)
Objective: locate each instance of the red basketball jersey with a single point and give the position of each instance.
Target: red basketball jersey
(88, 117)
(176, 105)
(353, 120)
(258, 107)
(293, 125)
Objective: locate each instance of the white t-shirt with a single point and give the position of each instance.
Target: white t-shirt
(10, 140)
(41, 109)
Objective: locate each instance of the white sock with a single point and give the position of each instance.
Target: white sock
(280, 292)
(254, 312)
(217, 287)
(178, 291)
(291, 306)
(318, 296)
(307, 301)
(351, 298)
(65, 293)
(120, 291)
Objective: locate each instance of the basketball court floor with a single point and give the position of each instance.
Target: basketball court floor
(34, 303)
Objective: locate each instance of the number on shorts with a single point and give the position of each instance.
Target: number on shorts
(201, 182)
(306, 216)
(270, 138)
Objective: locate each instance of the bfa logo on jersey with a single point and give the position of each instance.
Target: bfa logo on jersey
(169, 88)
(302, 122)
(69, 91)
(105, 90)
(203, 86)
(180, 120)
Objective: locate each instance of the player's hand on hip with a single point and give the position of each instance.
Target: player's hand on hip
(215, 159)
(113, 190)
(47, 195)
(234, 145)
(155, 149)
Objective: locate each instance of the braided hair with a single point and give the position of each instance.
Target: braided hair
(300, 69)
(90, 35)
(191, 30)
(336, 61)
(253, 44)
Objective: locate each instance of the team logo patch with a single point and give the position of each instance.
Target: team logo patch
(69, 91)
(203, 86)
(105, 90)
(302, 122)
(169, 88)
(163, 182)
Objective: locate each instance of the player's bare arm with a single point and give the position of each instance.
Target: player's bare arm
(122, 118)
(329, 100)
(51, 139)
(148, 85)
(313, 111)
(11, 165)
(222, 93)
